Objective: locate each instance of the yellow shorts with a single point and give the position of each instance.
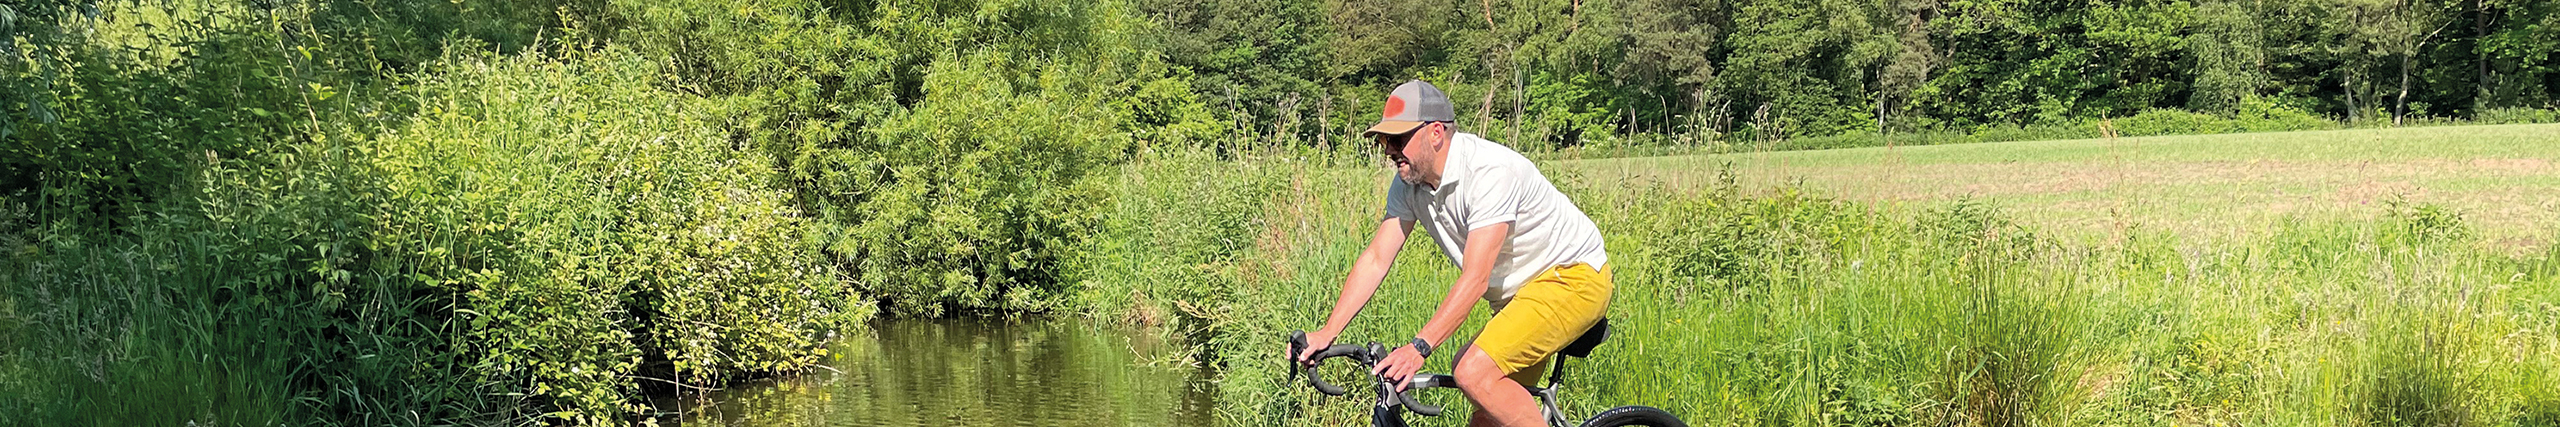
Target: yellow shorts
(1549, 312)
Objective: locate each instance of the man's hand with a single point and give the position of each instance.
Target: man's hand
(1317, 340)
(1399, 365)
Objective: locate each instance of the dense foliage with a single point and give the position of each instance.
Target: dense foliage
(1551, 73)
(421, 211)
(951, 148)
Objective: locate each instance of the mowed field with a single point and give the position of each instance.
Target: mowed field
(2255, 279)
(2502, 179)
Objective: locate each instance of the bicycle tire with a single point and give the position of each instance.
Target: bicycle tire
(1624, 416)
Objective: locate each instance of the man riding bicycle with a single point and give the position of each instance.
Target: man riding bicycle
(1519, 244)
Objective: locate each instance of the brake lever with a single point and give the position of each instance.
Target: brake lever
(1298, 344)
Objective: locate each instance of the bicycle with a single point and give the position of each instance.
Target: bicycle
(1389, 411)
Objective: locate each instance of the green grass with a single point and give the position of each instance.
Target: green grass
(2221, 186)
(1746, 302)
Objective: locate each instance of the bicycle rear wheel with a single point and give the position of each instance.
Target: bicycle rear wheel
(1634, 416)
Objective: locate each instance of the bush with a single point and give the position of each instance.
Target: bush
(2517, 116)
(988, 186)
(108, 105)
(2267, 115)
(2162, 121)
(545, 236)
(946, 145)
(2040, 132)
(595, 229)
(2255, 115)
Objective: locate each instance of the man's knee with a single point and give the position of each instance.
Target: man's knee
(1476, 371)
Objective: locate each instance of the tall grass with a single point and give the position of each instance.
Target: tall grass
(1778, 307)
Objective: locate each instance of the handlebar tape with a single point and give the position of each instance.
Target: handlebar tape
(1417, 406)
(1364, 355)
(1424, 381)
(1298, 345)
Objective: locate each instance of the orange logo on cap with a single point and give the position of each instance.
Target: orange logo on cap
(1395, 104)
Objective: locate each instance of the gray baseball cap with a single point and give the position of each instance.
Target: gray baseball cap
(1411, 105)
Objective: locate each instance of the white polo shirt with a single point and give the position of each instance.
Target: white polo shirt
(1482, 184)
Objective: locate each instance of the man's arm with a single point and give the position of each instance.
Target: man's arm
(1366, 273)
(1483, 243)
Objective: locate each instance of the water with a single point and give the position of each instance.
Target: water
(1038, 372)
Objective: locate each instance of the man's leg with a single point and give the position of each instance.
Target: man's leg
(1548, 312)
(1500, 400)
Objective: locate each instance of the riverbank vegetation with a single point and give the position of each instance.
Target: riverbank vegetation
(387, 212)
(1778, 306)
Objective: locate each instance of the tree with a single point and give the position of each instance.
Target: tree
(2377, 32)
(2230, 56)
(1913, 58)
(1810, 64)
(2514, 48)
(1668, 43)
(2143, 54)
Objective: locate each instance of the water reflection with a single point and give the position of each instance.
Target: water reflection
(1041, 372)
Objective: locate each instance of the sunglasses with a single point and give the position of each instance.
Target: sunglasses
(1395, 142)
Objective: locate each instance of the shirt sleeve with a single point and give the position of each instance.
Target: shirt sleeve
(1495, 197)
(1398, 193)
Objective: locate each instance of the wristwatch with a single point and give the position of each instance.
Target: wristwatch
(1421, 346)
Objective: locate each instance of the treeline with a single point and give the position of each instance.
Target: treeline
(1550, 73)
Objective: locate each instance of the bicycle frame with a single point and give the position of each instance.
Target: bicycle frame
(1547, 402)
(1391, 405)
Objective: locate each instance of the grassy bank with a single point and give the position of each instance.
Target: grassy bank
(522, 251)
(1743, 303)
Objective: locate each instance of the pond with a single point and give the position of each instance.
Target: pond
(1021, 372)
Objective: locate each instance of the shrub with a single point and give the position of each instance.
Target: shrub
(986, 190)
(2162, 121)
(2422, 222)
(2517, 115)
(595, 229)
(106, 130)
(2267, 115)
(947, 146)
(2255, 115)
(109, 105)
(2036, 132)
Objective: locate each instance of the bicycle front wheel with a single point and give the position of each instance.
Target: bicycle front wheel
(1634, 416)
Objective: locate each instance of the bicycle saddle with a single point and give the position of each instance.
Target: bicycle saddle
(1591, 338)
